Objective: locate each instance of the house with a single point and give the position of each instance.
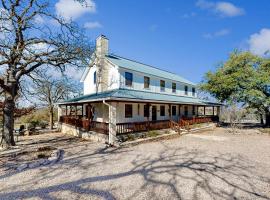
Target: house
(123, 96)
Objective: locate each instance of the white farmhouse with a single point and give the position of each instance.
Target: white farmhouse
(123, 96)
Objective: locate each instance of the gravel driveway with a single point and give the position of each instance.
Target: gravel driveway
(189, 167)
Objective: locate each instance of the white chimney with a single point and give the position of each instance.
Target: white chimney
(102, 46)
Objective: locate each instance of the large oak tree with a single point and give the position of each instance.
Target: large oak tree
(245, 79)
(27, 43)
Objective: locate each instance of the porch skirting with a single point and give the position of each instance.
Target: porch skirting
(79, 132)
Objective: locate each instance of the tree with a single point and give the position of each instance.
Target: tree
(244, 79)
(49, 89)
(27, 44)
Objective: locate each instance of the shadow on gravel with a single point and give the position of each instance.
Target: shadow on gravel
(222, 176)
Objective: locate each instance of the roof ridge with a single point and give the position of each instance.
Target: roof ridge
(143, 64)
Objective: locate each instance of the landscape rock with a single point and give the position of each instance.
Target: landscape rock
(22, 167)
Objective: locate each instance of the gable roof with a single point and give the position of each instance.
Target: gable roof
(143, 68)
(137, 95)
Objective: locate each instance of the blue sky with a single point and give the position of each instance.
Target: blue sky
(185, 37)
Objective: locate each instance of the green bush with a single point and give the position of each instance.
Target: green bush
(152, 134)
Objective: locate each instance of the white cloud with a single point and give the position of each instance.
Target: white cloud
(72, 9)
(259, 43)
(39, 20)
(91, 25)
(220, 33)
(221, 8)
(189, 15)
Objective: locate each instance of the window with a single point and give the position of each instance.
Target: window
(193, 110)
(146, 82)
(186, 111)
(174, 87)
(128, 110)
(162, 85)
(128, 78)
(193, 92)
(146, 110)
(95, 77)
(173, 110)
(186, 90)
(162, 111)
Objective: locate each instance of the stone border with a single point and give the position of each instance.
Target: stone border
(55, 157)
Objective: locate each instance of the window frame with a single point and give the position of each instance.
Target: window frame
(144, 82)
(162, 111)
(146, 110)
(128, 82)
(128, 110)
(95, 77)
(162, 88)
(193, 91)
(186, 111)
(173, 88)
(174, 111)
(186, 90)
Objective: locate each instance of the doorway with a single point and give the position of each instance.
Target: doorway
(154, 113)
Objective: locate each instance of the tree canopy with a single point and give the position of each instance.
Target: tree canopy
(244, 78)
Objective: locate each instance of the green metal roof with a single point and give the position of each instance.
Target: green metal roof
(136, 95)
(136, 66)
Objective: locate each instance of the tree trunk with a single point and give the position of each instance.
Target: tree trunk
(8, 121)
(51, 117)
(267, 119)
(261, 118)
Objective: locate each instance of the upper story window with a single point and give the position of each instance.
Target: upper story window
(193, 92)
(128, 79)
(162, 86)
(173, 110)
(162, 110)
(128, 110)
(146, 82)
(95, 77)
(186, 90)
(174, 87)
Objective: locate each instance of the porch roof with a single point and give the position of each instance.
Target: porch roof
(138, 96)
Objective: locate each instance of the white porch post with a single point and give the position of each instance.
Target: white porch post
(59, 112)
(112, 123)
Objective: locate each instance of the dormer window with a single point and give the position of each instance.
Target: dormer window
(162, 86)
(186, 90)
(193, 92)
(174, 87)
(146, 82)
(128, 79)
(95, 77)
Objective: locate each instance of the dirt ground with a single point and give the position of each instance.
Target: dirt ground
(204, 165)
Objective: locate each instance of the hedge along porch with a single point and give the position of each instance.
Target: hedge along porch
(113, 113)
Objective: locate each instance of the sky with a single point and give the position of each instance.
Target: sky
(186, 37)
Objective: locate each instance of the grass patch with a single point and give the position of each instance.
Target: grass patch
(152, 134)
(265, 130)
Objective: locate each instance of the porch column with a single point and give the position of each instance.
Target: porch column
(213, 111)
(59, 112)
(112, 123)
(204, 111)
(150, 112)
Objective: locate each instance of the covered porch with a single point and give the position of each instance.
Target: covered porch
(130, 117)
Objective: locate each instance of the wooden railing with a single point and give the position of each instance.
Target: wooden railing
(183, 122)
(124, 128)
(85, 124)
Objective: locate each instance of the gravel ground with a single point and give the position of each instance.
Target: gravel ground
(209, 165)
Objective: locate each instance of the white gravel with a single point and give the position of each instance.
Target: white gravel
(188, 167)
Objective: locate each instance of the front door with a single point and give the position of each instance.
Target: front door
(154, 113)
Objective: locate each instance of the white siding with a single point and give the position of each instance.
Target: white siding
(88, 85)
(138, 84)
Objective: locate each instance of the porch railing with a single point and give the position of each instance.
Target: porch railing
(85, 124)
(132, 127)
(197, 120)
